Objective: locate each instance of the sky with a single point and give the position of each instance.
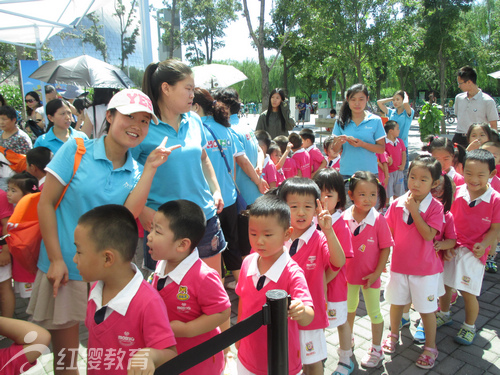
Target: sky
(238, 42)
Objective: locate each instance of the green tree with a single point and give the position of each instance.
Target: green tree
(126, 20)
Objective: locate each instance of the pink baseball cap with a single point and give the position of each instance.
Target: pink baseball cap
(130, 101)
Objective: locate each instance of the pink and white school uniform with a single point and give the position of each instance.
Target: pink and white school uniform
(303, 160)
(381, 158)
(415, 266)
(336, 291)
(457, 178)
(135, 318)
(395, 151)
(448, 233)
(334, 163)
(495, 183)
(290, 168)
(284, 274)
(269, 173)
(316, 157)
(16, 358)
(473, 219)
(191, 290)
(374, 235)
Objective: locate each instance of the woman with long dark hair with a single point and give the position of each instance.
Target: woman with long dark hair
(276, 119)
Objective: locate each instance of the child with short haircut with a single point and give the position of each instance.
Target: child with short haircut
(331, 184)
(270, 173)
(396, 150)
(415, 219)
(475, 202)
(196, 300)
(264, 139)
(37, 159)
(287, 163)
(332, 157)
(315, 252)
(271, 267)
(300, 155)
(318, 161)
(124, 312)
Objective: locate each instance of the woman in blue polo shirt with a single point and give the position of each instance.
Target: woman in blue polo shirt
(360, 134)
(60, 130)
(189, 173)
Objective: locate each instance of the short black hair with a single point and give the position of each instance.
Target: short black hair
(26, 182)
(428, 162)
(272, 148)
(112, 226)
(263, 137)
(368, 177)
(307, 134)
(39, 157)
(295, 140)
(333, 112)
(186, 220)
(467, 73)
(331, 180)
(482, 156)
(300, 186)
(271, 205)
(8, 111)
(491, 144)
(49, 89)
(282, 142)
(390, 125)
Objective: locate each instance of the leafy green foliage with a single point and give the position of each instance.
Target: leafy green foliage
(429, 120)
(126, 19)
(12, 96)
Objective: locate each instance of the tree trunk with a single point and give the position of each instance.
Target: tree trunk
(285, 74)
(358, 71)
(331, 85)
(172, 30)
(442, 83)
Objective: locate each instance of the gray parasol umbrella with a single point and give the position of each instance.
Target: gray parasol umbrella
(83, 71)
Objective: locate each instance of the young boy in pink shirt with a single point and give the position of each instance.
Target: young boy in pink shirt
(318, 161)
(287, 163)
(396, 151)
(127, 320)
(270, 172)
(315, 252)
(300, 155)
(332, 157)
(477, 203)
(196, 300)
(270, 267)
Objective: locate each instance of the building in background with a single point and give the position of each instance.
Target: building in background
(166, 15)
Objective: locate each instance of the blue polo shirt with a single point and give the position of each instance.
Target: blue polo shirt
(53, 143)
(246, 137)
(225, 138)
(181, 176)
(404, 122)
(354, 159)
(95, 183)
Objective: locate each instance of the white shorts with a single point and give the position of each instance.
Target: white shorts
(422, 291)
(5, 272)
(24, 289)
(337, 313)
(243, 371)
(396, 184)
(464, 272)
(441, 289)
(312, 346)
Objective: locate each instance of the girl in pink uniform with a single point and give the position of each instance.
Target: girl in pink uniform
(415, 219)
(332, 189)
(449, 156)
(371, 242)
(478, 134)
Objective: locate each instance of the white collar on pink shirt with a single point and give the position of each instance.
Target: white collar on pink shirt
(463, 192)
(424, 205)
(121, 301)
(304, 238)
(273, 273)
(369, 219)
(266, 160)
(336, 215)
(309, 148)
(180, 271)
(451, 173)
(333, 161)
(299, 151)
(395, 143)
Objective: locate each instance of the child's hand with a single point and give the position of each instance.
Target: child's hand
(389, 161)
(478, 249)
(411, 204)
(474, 145)
(289, 146)
(160, 155)
(4, 256)
(296, 309)
(401, 167)
(141, 363)
(448, 254)
(438, 245)
(324, 216)
(370, 279)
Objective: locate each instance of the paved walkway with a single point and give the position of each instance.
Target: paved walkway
(483, 357)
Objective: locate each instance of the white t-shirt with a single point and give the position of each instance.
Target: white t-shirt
(100, 119)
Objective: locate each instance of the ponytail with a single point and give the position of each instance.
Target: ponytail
(218, 110)
(447, 197)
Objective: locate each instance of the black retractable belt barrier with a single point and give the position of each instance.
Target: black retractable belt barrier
(274, 314)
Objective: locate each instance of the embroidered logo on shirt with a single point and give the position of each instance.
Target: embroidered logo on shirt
(126, 185)
(125, 339)
(332, 313)
(311, 265)
(370, 240)
(362, 248)
(465, 280)
(430, 298)
(486, 219)
(183, 295)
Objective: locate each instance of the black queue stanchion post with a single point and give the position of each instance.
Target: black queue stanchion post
(277, 332)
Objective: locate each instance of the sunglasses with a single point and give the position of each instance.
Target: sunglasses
(29, 100)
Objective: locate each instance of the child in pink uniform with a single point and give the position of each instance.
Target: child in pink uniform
(287, 163)
(318, 161)
(315, 252)
(396, 150)
(19, 185)
(270, 267)
(332, 157)
(196, 300)
(448, 155)
(476, 211)
(271, 173)
(371, 242)
(415, 219)
(126, 318)
(477, 135)
(332, 189)
(383, 169)
(300, 155)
